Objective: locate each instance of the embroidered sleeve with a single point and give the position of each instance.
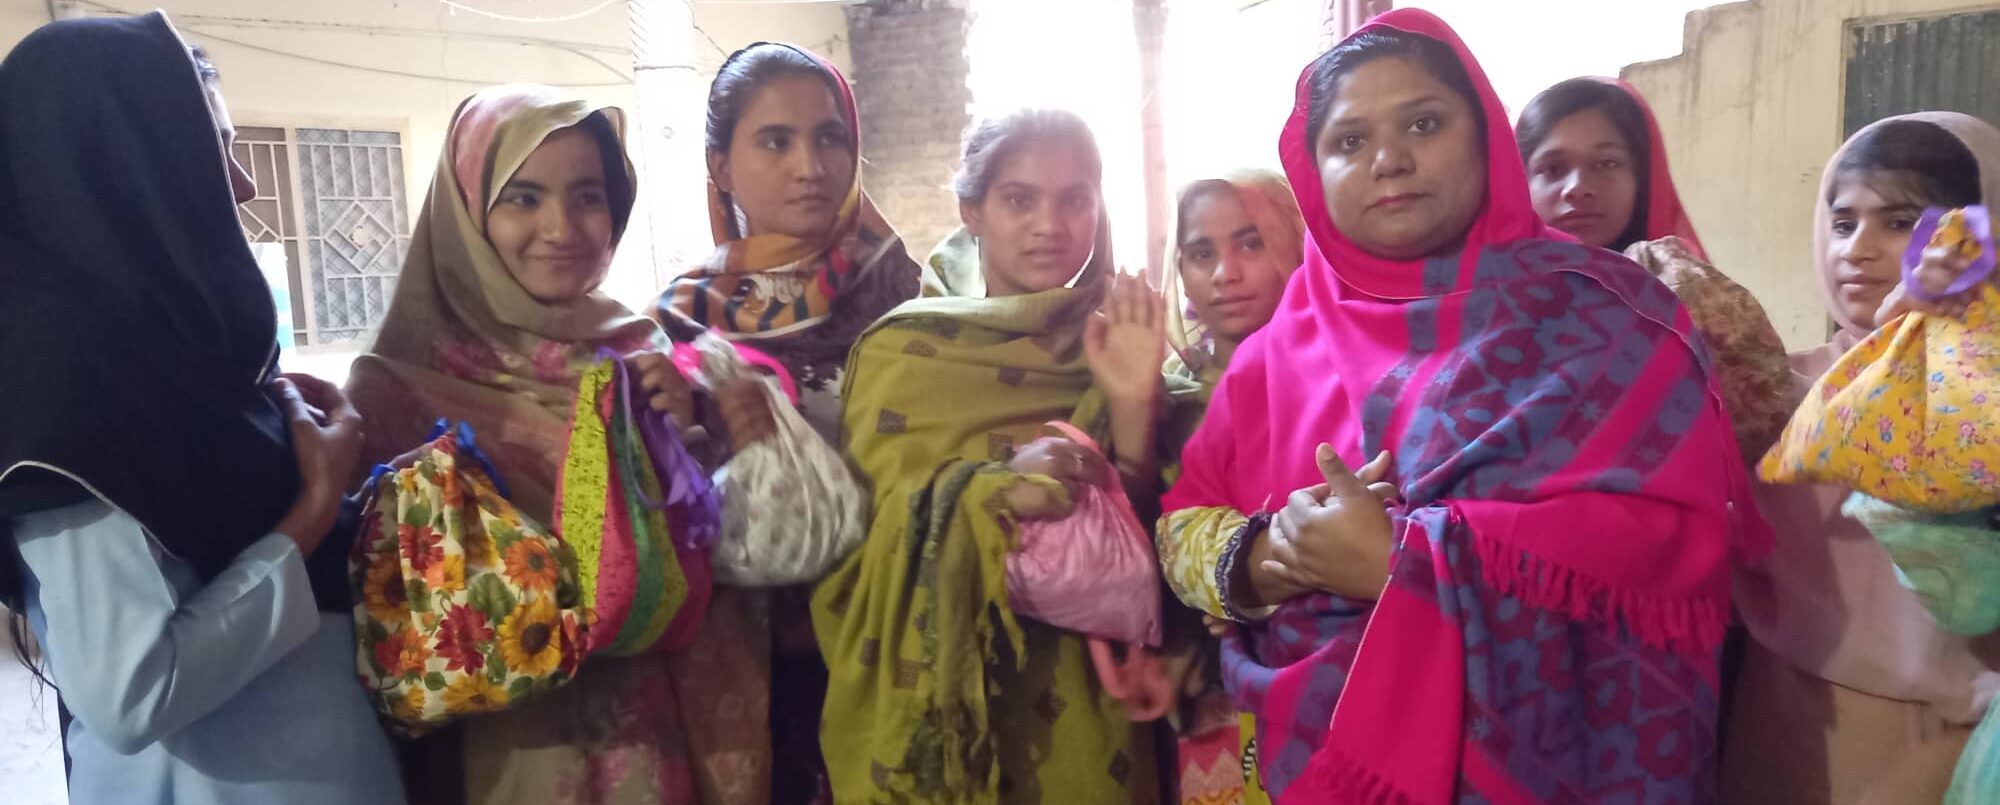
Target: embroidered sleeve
(1192, 544)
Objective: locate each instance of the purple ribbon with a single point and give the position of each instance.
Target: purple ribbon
(1981, 224)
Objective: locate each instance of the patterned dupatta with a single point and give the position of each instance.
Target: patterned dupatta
(1570, 501)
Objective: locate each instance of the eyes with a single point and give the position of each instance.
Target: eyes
(1423, 124)
(1847, 226)
(781, 142)
(1204, 255)
(1555, 169)
(529, 200)
(1023, 202)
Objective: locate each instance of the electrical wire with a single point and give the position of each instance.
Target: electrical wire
(387, 71)
(457, 6)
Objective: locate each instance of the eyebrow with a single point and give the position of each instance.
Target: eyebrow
(1401, 107)
(775, 129)
(538, 187)
(1244, 232)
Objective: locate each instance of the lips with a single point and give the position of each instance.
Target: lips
(1577, 219)
(811, 201)
(565, 258)
(1397, 201)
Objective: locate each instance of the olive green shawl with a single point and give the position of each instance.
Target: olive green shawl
(938, 693)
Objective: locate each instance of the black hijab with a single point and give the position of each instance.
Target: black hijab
(137, 335)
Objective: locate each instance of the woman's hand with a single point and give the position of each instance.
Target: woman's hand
(326, 440)
(1941, 266)
(746, 403)
(1067, 463)
(1126, 341)
(1336, 536)
(667, 390)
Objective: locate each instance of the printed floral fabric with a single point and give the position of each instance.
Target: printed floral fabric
(1905, 415)
(464, 606)
(1191, 543)
(1749, 357)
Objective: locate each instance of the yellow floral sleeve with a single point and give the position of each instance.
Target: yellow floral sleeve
(1192, 544)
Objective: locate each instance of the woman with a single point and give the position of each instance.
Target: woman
(194, 621)
(495, 317)
(939, 693)
(1850, 692)
(1538, 614)
(1597, 170)
(1236, 240)
(803, 263)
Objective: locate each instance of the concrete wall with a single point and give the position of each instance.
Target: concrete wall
(911, 91)
(1751, 112)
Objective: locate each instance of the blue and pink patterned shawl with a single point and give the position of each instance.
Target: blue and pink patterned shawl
(1571, 498)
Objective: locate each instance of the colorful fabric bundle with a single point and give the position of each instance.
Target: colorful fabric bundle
(1903, 416)
(640, 514)
(793, 509)
(463, 605)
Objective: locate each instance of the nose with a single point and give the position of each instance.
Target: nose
(1393, 160)
(1047, 222)
(1228, 270)
(553, 225)
(1860, 248)
(809, 165)
(1576, 188)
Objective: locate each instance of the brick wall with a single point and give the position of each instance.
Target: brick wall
(910, 86)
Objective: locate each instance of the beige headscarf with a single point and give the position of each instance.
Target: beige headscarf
(1827, 599)
(462, 338)
(1267, 197)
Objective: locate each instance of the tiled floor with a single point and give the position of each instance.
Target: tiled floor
(31, 769)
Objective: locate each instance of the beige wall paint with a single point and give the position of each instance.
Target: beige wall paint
(1752, 111)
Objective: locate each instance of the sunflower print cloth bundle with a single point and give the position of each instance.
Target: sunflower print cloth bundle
(1906, 416)
(463, 606)
(641, 515)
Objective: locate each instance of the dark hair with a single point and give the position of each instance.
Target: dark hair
(203, 66)
(1937, 167)
(1434, 56)
(747, 71)
(990, 142)
(1195, 191)
(1556, 104)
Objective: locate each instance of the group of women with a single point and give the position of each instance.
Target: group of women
(1443, 431)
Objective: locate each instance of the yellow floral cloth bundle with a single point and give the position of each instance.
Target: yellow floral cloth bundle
(463, 606)
(1904, 416)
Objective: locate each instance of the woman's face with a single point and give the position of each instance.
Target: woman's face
(1872, 216)
(553, 224)
(1583, 179)
(1231, 275)
(240, 184)
(1401, 161)
(791, 161)
(1037, 226)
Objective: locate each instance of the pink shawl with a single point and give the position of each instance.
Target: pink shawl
(1570, 489)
